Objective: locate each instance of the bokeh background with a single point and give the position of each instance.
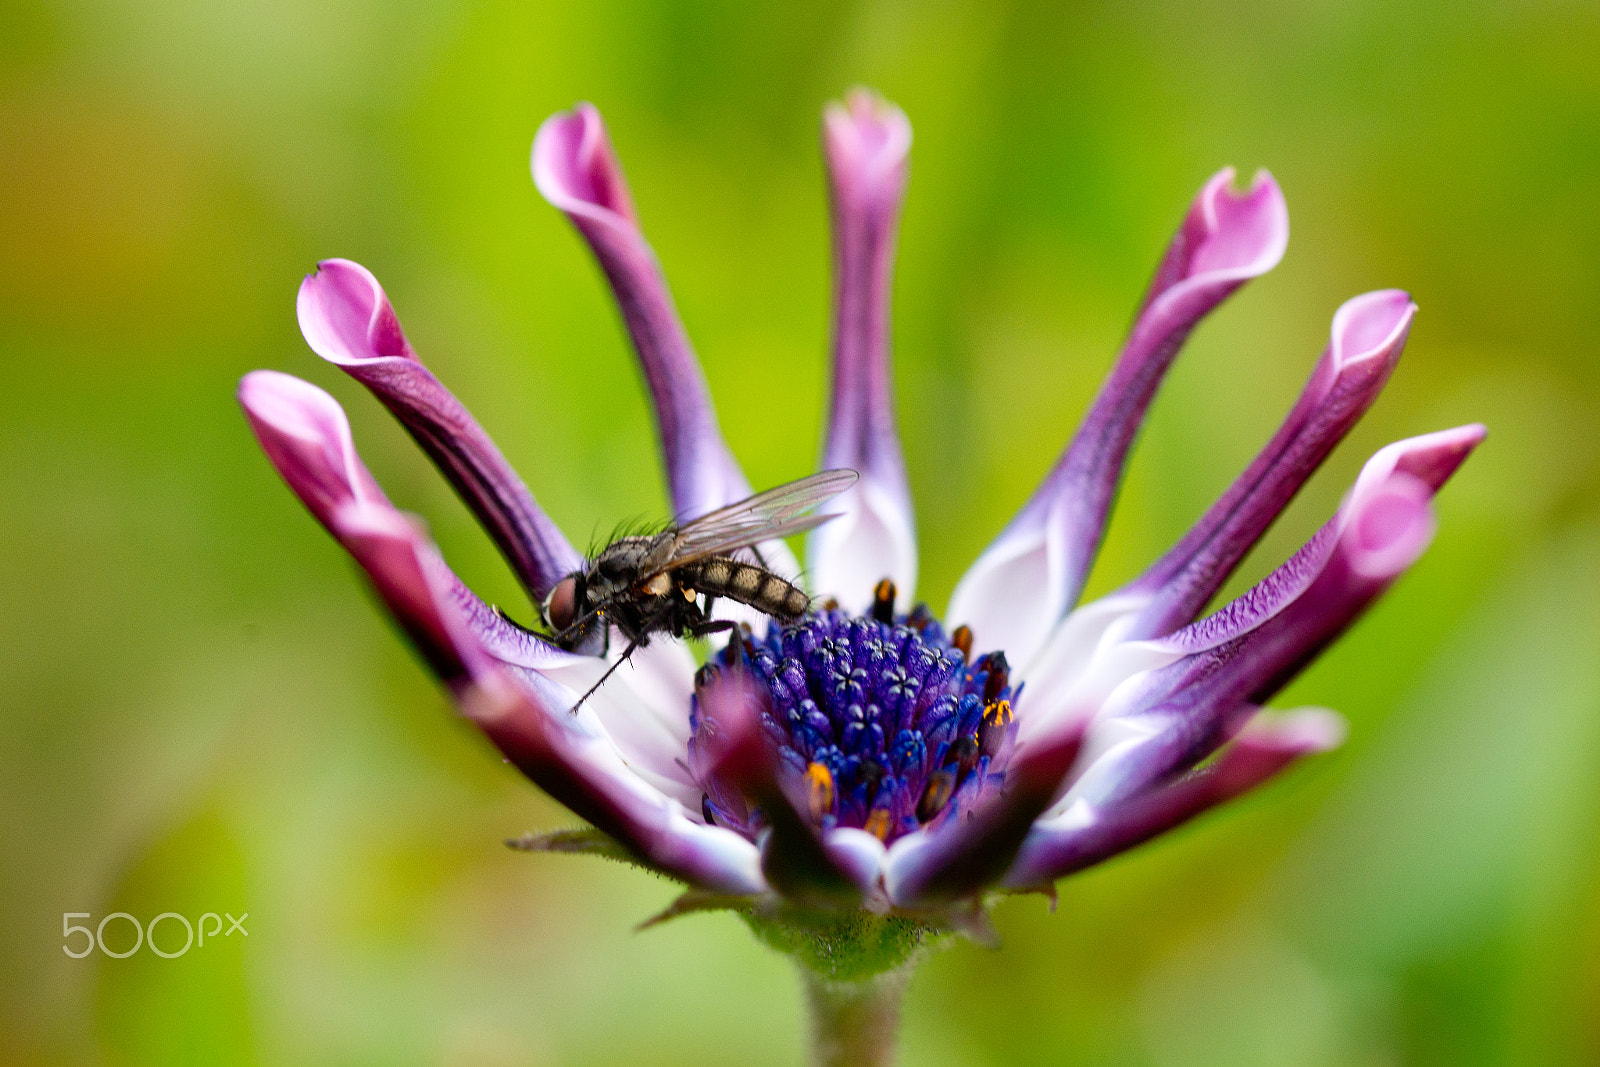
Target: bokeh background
(203, 711)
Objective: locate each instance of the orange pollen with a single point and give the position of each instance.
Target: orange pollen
(962, 639)
(819, 790)
(877, 823)
(998, 713)
(883, 601)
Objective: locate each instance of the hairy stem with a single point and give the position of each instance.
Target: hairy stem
(854, 1024)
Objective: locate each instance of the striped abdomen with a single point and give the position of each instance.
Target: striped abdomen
(718, 576)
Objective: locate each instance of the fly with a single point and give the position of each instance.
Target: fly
(666, 583)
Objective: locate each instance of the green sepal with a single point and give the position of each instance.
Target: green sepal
(587, 841)
(694, 901)
(843, 946)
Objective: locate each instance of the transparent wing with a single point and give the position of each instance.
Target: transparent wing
(778, 512)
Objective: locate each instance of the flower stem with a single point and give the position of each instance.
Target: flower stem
(854, 1024)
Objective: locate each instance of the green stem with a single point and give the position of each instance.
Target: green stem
(854, 1024)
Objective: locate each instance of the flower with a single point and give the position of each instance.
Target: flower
(870, 757)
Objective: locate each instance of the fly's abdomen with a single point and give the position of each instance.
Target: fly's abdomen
(719, 576)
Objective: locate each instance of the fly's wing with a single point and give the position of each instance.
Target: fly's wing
(775, 513)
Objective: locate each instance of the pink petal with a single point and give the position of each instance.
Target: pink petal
(347, 320)
(1226, 239)
(866, 142)
(1369, 333)
(498, 679)
(1170, 719)
(1085, 836)
(1430, 458)
(576, 170)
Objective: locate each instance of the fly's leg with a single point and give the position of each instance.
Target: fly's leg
(580, 626)
(712, 626)
(626, 655)
(705, 624)
(637, 638)
(564, 638)
(503, 617)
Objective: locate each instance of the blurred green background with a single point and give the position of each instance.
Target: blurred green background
(203, 710)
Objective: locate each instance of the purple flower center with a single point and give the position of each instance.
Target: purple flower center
(879, 721)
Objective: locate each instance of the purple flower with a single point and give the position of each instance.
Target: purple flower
(870, 755)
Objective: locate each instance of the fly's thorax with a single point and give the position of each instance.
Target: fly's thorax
(617, 566)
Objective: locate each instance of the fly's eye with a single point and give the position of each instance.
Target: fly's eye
(562, 607)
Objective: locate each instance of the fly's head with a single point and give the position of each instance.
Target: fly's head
(569, 611)
(566, 601)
